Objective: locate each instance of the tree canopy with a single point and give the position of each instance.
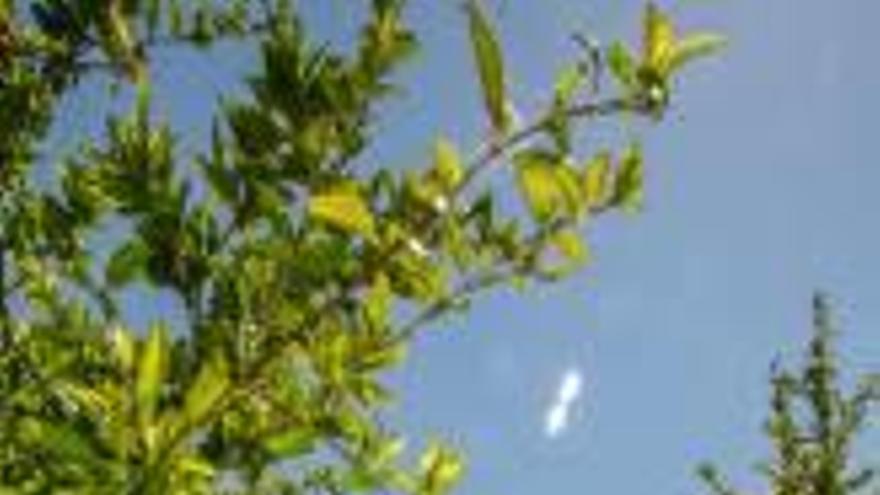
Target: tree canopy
(303, 275)
(814, 423)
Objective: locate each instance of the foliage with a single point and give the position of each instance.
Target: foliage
(813, 424)
(292, 263)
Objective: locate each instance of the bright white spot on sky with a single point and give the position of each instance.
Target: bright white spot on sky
(556, 418)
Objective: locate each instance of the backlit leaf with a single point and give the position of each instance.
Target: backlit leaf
(152, 363)
(628, 181)
(447, 164)
(571, 246)
(692, 47)
(595, 179)
(209, 386)
(658, 40)
(343, 208)
(548, 187)
(490, 65)
(622, 64)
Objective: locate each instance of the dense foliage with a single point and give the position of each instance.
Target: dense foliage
(814, 424)
(303, 275)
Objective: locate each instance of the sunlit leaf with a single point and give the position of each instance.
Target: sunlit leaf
(622, 64)
(152, 364)
(692, 47)
(343, 207)
(658, 40)
(568, 82)
(122, 344)
(377, 304)
(291, 443)
(628, 181)
(447, 164)
(571, 246)
(490, 65)
(441, 467)
(548, 187)
(596, 178)
(209, 386)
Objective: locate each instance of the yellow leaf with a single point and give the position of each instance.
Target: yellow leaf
(343, 207)
(447, 164)
(659, 38)
(441, 467)
(571, 246)
(548, 187)
(151, 369)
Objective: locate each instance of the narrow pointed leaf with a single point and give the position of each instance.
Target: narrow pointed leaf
(209, 386)
(490, 65)
(692, 47)
(150, 374)
(595, 180)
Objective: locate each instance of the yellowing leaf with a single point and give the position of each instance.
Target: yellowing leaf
(209, 386)
(343, 208)
(548, 187)
(151, 368)
(595, 180)
(447, 164)
(490, 65)
(571, 246)
(441, 467)
(694, 46)
(658, 38)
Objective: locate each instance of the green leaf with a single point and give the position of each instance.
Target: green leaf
(490, 65)
(152, 363)
(209, 386)
(628, 181)
(548, 187)
(692, 47)
(122, 345)
(343, 207)
(291, 443)
(377, 305)
(596, 178)
(567, 84)
(127, 263)
(447, 164)
(622, 64)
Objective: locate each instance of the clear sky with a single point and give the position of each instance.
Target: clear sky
(761, 187)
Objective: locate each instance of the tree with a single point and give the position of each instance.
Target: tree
(813, 424)
(303, 275)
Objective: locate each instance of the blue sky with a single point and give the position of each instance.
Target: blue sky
(761, 186)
